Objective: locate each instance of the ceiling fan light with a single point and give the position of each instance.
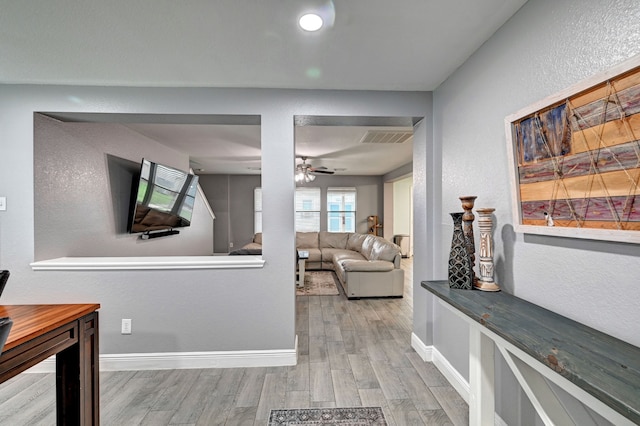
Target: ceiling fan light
(309, 178)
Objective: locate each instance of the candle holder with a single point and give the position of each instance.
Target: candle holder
(485, 224)
(467, 226)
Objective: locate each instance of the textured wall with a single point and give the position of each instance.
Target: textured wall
(172, 310)
(231, 198)
(547, 46)
(82, 183)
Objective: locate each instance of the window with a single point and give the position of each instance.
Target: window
(307, 209)
(257, 210)
(341, 209)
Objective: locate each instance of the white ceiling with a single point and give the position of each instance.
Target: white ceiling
(235, 149)
(411, 45)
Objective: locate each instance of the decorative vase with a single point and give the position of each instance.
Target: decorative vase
(467, 228)
(485, 223)
(460, 270)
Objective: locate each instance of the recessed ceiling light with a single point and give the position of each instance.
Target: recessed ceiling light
(310, 22)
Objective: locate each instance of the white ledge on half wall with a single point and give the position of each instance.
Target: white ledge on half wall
(151, 262)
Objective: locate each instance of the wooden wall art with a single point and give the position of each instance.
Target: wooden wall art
(575, 159)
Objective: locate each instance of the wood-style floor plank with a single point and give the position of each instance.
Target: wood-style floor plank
(346, 391)
(350, 353)
(321, 382)
(457, 410)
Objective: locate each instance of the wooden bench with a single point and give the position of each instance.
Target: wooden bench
(599, 370)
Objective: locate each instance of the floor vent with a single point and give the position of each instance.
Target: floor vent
(386, 136)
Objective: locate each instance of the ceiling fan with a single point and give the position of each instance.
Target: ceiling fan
(307, 173)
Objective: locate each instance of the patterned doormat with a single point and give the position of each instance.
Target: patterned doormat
(319, 283)
(356, 416)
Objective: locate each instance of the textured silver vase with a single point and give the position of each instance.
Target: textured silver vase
(460, 268)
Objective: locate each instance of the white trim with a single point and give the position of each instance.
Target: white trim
(425, 352)
(455, 379)
(151, 262)
(185, 360)
(499, 421)
(452, 375)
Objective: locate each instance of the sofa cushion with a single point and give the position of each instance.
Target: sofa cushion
(352, 265)
(341, 255)
(355, 242)
(252, 246)
(337, 240)
(305, 240)
(315, 255)
(257, 238)
(367, 245)
(383, 250)
(328, 254)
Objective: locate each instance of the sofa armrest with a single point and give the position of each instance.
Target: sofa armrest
(352, 265)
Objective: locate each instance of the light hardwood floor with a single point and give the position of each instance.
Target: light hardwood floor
(352, 353)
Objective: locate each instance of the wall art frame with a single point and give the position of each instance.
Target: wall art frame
(574, 159)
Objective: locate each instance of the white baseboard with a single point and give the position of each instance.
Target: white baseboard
(425, 352)
(451, 374)
(185, 360)
(432, 354)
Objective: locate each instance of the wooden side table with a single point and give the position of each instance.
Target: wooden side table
(70, 332)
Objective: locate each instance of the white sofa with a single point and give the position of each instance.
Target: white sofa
(366, 265)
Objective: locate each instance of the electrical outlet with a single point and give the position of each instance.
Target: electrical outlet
(126, 326)
(231, 245)
(3, 203)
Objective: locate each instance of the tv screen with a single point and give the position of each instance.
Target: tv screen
(164, 198)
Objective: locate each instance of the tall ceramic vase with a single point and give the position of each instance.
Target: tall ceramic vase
(460, 268)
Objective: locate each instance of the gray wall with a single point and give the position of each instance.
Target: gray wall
(231, 199)
(83, 175)
(369, 190)
(547, 46)
(176, 310)
(400, 172)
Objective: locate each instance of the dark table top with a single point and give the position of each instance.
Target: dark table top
(606, 367)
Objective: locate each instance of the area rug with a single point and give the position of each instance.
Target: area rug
(319, 283)
(355, 416)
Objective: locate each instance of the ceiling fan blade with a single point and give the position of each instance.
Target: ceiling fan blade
(319, 171)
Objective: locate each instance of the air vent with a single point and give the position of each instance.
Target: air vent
(385, 136)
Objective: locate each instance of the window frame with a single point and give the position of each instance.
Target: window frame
(343, 212)
(308, 214)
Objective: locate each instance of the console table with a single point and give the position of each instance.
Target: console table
(599, 370)
(70, 332)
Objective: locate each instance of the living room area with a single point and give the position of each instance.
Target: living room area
(189, 334)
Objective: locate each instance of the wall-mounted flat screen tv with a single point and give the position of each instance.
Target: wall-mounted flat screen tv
(164, 199)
